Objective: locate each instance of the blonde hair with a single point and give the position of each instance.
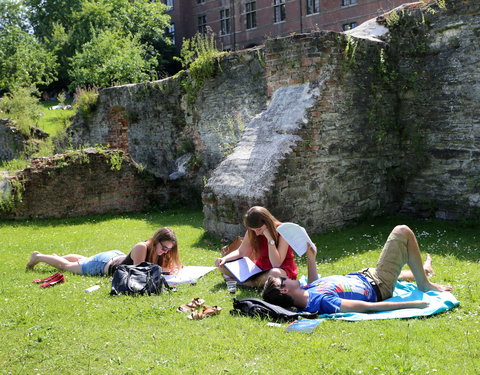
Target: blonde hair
(171, 259)
(255, 217)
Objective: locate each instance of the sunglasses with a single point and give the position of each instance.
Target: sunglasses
(164, 248)
(282, 282)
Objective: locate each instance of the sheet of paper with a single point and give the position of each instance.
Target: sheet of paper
(188, 274)
(296, 236)
(242, 268)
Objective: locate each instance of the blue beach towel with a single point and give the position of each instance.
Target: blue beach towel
(439, 302)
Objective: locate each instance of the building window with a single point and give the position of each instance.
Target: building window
(278, 10)
(313, 6)
(225, 28)
(169, 3)
(202, 24)
(349, 26)
(348, 2)
(250, 10)
(200, 1)
(171, 32)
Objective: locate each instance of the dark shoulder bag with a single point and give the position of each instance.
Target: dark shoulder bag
(144, 278)
(255, 307)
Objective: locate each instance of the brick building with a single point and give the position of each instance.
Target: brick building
(245, 23)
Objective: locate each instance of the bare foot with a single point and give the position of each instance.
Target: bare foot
(436, 287)
(33, 260)
(427, 266)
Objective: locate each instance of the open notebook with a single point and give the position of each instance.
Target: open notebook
(242, 269)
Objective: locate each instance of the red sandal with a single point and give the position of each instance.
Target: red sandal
(39, 281)
(57, 280)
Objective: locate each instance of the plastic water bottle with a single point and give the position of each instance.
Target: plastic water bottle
(92, 288)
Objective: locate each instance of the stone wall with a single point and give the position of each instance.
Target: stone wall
(82, 183)
(159, 122)
(321, 128)
(11, 141)
(332, 169)
(394, 127)
(444, 104)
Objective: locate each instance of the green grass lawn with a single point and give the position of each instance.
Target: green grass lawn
(54, 121)
(64, 330)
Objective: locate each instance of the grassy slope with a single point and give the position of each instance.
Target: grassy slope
(52, 122)
(63, 330)
(55, 120)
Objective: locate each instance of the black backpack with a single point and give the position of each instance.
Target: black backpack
(257, 307)
(144, 278)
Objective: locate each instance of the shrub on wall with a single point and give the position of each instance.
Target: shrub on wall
(200, 56)
(86, 101)
(21, 106)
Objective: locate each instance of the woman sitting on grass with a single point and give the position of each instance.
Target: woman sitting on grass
(264, 245)
(160, 249)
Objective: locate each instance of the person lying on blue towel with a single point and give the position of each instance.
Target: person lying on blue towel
(362, 291)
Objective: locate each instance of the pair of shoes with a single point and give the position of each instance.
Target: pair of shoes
(56, 280)
(205, 312)
(194, 304)
(40, 281)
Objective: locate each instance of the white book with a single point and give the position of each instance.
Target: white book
(242, 269)
(296, 236)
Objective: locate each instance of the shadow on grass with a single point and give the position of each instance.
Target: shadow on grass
(458, 239)
(167, 217)
(445, 238)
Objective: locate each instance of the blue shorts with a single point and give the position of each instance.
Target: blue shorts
(95, 265)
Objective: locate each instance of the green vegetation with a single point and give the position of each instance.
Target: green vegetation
(73, 332)
(23, 108)
(24, 60)
(87, 100)
(201, 57)
(55, 44)
(111, 59)
(52, 122)
(55, 121)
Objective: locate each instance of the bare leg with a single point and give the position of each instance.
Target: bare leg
(55, 261)
(415, 263)
(225, 272)
(407, 275)
(73, 257)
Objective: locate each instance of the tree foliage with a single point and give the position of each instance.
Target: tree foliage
(66, 43)
(21, 105)
(24, 61)
(75, 28)
(109, 59)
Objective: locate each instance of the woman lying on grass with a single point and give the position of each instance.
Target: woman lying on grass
(160, 249)
(264, 245)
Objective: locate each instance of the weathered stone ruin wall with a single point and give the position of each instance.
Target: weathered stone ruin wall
(394, 127)
(81, 183)
(332, 169)
(444, 103)
(321, 128)
(159, 122)
(11, 140)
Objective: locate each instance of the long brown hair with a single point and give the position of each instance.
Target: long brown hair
(169, 260)
(255, 218)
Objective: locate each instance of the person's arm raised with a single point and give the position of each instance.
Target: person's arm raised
(311, 264)
(348, 305)
(276, 253)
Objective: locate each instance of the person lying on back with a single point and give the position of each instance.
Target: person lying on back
(363, 291)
